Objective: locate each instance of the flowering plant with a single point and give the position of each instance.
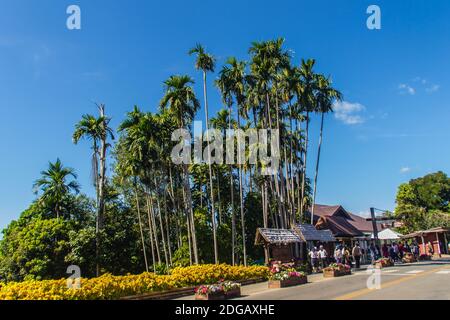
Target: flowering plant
(218, 288)
(338, 267)
(279, 271)
(384, 262)
(109, 287)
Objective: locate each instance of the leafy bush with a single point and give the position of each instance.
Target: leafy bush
(108, 287)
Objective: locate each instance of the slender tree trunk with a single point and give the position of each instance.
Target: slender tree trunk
(317, 169)
(190, 213)
(166, 220)
(140, 229)
(150, 228)
(161, 227)
(233, 211)
(155, 231)
(241, 195)
(213, 212)
(218, 196)
(188, 227)
(305, 158)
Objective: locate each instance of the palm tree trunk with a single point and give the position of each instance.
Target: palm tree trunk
(305, 158)
(241, 195)
(161, 227)
(188, 228)
(233, 213)
(151, 234)
(155, 231)
(190, 213)
(317, 168)
(140, 229)
(166, 218)
(218, 196)
(213, 212)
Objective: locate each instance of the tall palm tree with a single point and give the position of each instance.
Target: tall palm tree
(55, 186)
(307, 104)
(232, 83)
(206, 63)
(223, 83)
(325, 97)
(98, 131)
(181, 102)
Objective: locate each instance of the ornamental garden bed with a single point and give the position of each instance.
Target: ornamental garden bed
(337, 270)
(293, 281)
(383, 263)
(223, 290)
(284, 275)
(409, 258)
(425, 257)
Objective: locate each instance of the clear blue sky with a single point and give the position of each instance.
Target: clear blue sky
(395, 81)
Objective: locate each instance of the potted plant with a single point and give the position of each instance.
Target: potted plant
(383, 263)
(282, 276)
(424, 257)
(220, 291)
(409, 258)
(337, 270)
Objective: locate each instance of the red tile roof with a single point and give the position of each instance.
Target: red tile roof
(339, 226)
(342, 221)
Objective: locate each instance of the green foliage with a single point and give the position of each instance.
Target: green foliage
(35, 250)
(424, 203)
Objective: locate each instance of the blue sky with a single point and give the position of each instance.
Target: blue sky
(393, 125)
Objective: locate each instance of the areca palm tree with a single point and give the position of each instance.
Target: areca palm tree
(98, 131)
(325, 97)
(181, 102)
(306, 104)
(232, 83)
(130, 165)
(55, 185)
(206, 63)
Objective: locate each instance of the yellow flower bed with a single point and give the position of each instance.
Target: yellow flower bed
(109, 287)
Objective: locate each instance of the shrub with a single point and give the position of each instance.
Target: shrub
(109, 287)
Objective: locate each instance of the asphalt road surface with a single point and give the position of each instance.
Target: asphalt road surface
(420, 281)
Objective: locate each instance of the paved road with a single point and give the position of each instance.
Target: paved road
(421, 281)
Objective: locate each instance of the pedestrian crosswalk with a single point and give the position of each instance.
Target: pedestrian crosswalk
(399, 272)
(415, 271)
(390, 271)
(443, 272)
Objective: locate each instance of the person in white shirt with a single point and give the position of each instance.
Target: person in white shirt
(338, 255)
(314, 256)
(323, 257)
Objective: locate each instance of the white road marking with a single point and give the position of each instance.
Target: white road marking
(443, 272)
(390, 271)
(415, 271)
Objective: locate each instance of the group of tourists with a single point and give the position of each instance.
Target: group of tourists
(396, 251)
(320, 259)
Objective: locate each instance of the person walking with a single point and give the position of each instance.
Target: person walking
(338, 254)
(430, 249)
(323, 257)
(385, 251)
(392, 253)
(314, 256)
(356, 253)
(373, 253)
(396, 252)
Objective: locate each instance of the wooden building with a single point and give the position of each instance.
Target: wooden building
(438, 237)
(279, 244)
(314, 238)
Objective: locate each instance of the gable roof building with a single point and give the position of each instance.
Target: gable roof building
(340, 222)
